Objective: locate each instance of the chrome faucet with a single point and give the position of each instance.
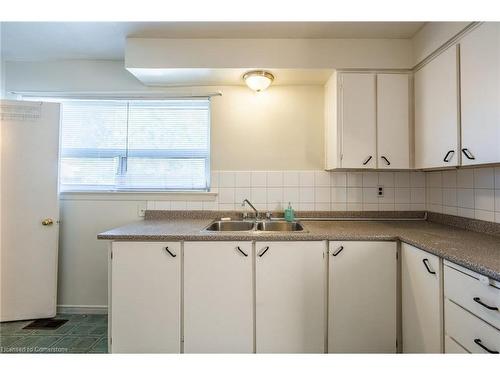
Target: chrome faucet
(253, 208)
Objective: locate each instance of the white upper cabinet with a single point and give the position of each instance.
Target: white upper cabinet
(480, 95)
(436, 112)
(393, 118)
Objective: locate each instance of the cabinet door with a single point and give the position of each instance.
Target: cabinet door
(362, 297)
(290, 297)
(393, 135)
(480, 95)
(145, 297)
(422, 301)
(218, 297)
(436, 112)
(358, 102)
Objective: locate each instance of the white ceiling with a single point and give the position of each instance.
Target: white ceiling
(106, 40)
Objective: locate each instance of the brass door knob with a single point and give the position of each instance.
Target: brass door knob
(47, 221)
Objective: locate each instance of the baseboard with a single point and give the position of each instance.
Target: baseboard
(82, 309)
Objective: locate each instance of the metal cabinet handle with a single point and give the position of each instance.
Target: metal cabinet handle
(338, 251)
(386, 160)
(426, 263)
(478, 300)
(241, 251)
(446, 160)
(263, 251)
(367, 160)
(468, 154)
(480, 344)
(173, 255)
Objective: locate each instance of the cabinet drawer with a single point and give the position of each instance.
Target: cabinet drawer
(467, 291)
(469, 331)
(451, 346)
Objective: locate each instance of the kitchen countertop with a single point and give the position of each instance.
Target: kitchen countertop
(479, 252)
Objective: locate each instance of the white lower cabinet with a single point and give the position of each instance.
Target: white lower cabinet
(452, 347)
(362, 297)
(421, 291)
(290, 296)
(145, 285)
(218, 297)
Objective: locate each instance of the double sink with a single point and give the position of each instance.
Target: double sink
(264, 226)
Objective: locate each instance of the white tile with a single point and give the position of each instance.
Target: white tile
(497, 217)
(450, 197)
(354, 195)
(214, 179)
(465, 198)
(210, 205)
(194, 205)
(322, 194)
(178, 205)
(260, 206)
(466, 212)
(226, 206)
(150, 205)
(435, 208)
(417, 195)
(484, 199)
(354, 179)
(163, 205)
(386, 179)
(322, 178)
(484, 178)
(274, 194)
(339, 179)
(214, 189)
(226, 179)
(259, 179)
(276, 206)
(497, 178)
(305, 206)
(450, 179)
(242, 193)
(465, 178)
(291, 178)
(450, 210)
(306, 194)
(339, 206)
(370, 195)
(370, 206)
(259, 195)
(339, 194)
(402, 179)
(417, 206)
(386, 206)
(434, 179)
(435, 195)
(370, 179)
(306, 178)
(388, 196)
(497, 200)
(243, 179)
(354, 207)
(402, 195)
(484, 215)
(226, 195)
(417, 179)
(402, 207)
(318, 206)
(290, 194)
(274, 179)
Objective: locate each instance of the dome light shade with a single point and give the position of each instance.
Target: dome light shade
(258, 80)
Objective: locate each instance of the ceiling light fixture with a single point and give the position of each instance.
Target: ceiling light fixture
(258, 80)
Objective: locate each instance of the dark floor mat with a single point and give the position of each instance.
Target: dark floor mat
(46, 324)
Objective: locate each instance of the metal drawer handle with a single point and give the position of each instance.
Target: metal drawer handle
(480, 344)
(338, 251)
(478, 300)
(386, 160)
(367, 160)
(241, 251)
(173, 255)
(446, 160)
(468, 154)
(263, 251)
(426, 263)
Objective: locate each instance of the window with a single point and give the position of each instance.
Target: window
(114, 145)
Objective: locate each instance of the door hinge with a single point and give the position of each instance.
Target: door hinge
(111, 254)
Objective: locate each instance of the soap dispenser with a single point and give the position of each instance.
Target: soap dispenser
(289, 214)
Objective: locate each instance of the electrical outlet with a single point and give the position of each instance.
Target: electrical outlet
(141, 209)
(380, 192)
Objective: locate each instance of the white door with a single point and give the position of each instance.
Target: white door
(29, 171)
(436, 112)
(422, 301)
(290, 297)
(358, 108)
(218, 297)
(145, 297)
(393, 121)
(480, 95)
(362, 297)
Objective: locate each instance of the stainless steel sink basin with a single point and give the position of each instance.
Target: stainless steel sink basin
(232, 226)
(279, 226)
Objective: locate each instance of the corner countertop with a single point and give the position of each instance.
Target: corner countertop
(477, 251)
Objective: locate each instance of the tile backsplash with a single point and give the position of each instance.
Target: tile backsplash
(472, 193)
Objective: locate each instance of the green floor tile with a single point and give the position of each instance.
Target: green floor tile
(7, 342)
(73, 318)
(35, 344)
(100, 347)
(15, 328)
(97, 319)
(62, 330)
(88, 330)
(75, 344)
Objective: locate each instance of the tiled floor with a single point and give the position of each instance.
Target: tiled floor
(80, 334)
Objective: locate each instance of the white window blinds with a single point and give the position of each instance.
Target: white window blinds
(140, 145)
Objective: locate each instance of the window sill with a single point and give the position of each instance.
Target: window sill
(138, 195)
